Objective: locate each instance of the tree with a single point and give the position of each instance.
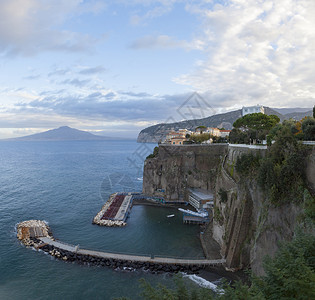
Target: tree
(308, 128)
(255, 126)
(257, 121)
(199, 138)
(314, 112)
(155, 153)
(238, 136)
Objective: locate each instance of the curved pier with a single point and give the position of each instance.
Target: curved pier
(133, 258)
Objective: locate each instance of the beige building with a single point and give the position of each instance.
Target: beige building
(177, 137)
(210, 130)
(225, 133)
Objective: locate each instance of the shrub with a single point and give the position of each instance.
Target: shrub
(155, 153)
(223, 195)
(247, 164)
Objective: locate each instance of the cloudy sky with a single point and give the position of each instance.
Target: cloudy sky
(118, 66)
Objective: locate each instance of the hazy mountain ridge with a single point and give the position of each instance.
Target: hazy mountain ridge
(63, 133)
(155, 133)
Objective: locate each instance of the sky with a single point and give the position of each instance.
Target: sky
(116, 67)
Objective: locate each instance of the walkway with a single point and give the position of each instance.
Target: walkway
(134, 258)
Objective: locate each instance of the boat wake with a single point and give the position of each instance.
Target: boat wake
(204, 283)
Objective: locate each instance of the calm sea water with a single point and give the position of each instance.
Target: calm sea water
(66, 183)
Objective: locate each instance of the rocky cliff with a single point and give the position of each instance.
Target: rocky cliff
(177, 168)
(245, 224)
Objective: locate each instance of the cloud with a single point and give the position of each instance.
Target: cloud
(76, 82)
(31, 77)
(118, 107)
(155, 9)
(164, 42)
(92, 70)
(28, 27)
(257, 52)
(59, 72)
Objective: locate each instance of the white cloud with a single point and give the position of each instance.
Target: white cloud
(261, 51)
(165, 42)
(30, 26)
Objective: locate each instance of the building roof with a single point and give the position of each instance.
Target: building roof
(202, 194)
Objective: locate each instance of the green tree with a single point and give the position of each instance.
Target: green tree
(252, 127)
(308, 128)
(238, 136)
(314, 112)
(257, 121)
(290, 274)
(199, 138)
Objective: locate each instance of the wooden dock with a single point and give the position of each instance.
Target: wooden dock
(133, 258)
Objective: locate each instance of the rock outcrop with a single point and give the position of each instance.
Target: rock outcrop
(177, 168)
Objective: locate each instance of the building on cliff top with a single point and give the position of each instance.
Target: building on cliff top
(224, 133)
(252, 109)
(177, 137)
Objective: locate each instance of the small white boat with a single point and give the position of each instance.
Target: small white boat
(171, 216)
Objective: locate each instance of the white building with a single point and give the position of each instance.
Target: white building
(252, 109)
(200, 198)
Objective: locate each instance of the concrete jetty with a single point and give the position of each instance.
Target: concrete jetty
(115, 211)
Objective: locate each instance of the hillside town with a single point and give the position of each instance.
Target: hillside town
(185, 136)
(206, 135)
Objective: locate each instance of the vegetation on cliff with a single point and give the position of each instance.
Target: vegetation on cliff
(281, 173)
(155, 152)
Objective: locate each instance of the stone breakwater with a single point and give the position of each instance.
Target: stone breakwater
(27, 232)
(116, 264)
(36, 234)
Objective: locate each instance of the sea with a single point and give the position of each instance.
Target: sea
(66, 183)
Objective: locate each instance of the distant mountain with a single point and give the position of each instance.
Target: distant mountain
(155, 133)
(285, 111)
(63, 133)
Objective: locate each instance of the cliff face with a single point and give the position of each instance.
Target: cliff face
(246, 226)
(177, 168)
